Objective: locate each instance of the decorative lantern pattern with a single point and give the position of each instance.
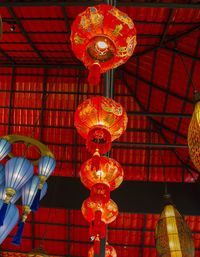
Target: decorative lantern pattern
(11, 218)
(100, 120)
(110, 251)
(109, 210)
(103, 38)
(194, 136)
(101, 170)
(173, 237)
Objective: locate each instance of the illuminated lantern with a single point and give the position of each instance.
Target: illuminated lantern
(103, 38)
(109, 210)
(101, 170)
(173, 237)
(14, 199)
(29, 191)
(110, 251)
(193, 133)
(2, 174)
(100, 120)
(18, 171)
(5, 148)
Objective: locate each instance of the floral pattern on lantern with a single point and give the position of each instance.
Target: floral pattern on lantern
(102, 170)
(110, 251)
(100, 120)
(109, 210)
(173, 236)
(102, 36)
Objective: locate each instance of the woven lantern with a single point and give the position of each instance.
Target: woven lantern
(103, 38)
(109, 210)
(193, 133)
(173, 237)
(100, 120)
(37, 252)
(101, 175)
(110, 251)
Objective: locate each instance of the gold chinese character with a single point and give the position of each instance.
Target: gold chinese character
(78, 40)
(117, 30)
(122, 51)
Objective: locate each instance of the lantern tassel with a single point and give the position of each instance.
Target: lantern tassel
(97, 245)
(94, 74)
(36, 201)
(18, 236)
(3, 213)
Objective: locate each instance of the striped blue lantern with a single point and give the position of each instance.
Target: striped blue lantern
(18, 171)
(44, 190)
(2, 174)
(43, 193)
(14, 199)
(29, 191)
(46, 166)
(11, 218)
(5, 148)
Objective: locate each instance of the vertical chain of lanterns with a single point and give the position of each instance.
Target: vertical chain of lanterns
(17, 180)
(100, 120)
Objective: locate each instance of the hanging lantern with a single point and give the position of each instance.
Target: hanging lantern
(110, 251)
(18, 171)
(173, 237)
(5, 148)
(11, 218)
(100, 120)
(193, 133)
(37, 252)
(46, 166)
(101, 170)
(109, 210)
(14, 199)
(29, 191)
(102, 37)
(2, 174)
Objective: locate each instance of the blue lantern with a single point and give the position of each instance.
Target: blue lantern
(18, 171)
(2, 174)
(29, 191)
(14, 199)
(44, 190)
(11, 218)
(5, 148)
(46, 166)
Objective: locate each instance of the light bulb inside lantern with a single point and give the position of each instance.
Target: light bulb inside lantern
(102, 45)
(100, 173)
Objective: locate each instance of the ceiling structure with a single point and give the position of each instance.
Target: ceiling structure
(42, 82)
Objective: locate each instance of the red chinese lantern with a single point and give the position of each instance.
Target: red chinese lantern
(100, 120)
(103, 38)
(109, 210)
(101, 169)
(110, 251)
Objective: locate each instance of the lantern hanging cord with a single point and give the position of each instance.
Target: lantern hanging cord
(189, 75)
(38, 118)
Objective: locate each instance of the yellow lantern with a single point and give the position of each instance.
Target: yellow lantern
(193, 133)
(173, 237)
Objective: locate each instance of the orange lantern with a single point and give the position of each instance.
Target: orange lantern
(110, 251)
(101, 170)
(109, 210)
(102, 37)
(100, 120)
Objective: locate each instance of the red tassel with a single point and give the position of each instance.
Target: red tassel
(94, 74)
(97, 245)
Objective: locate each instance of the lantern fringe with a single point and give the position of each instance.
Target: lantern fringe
(36, 201)
(97, 246)
(3, 213)
(18, 236)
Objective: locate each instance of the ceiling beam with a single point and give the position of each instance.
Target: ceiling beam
(38, 3)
